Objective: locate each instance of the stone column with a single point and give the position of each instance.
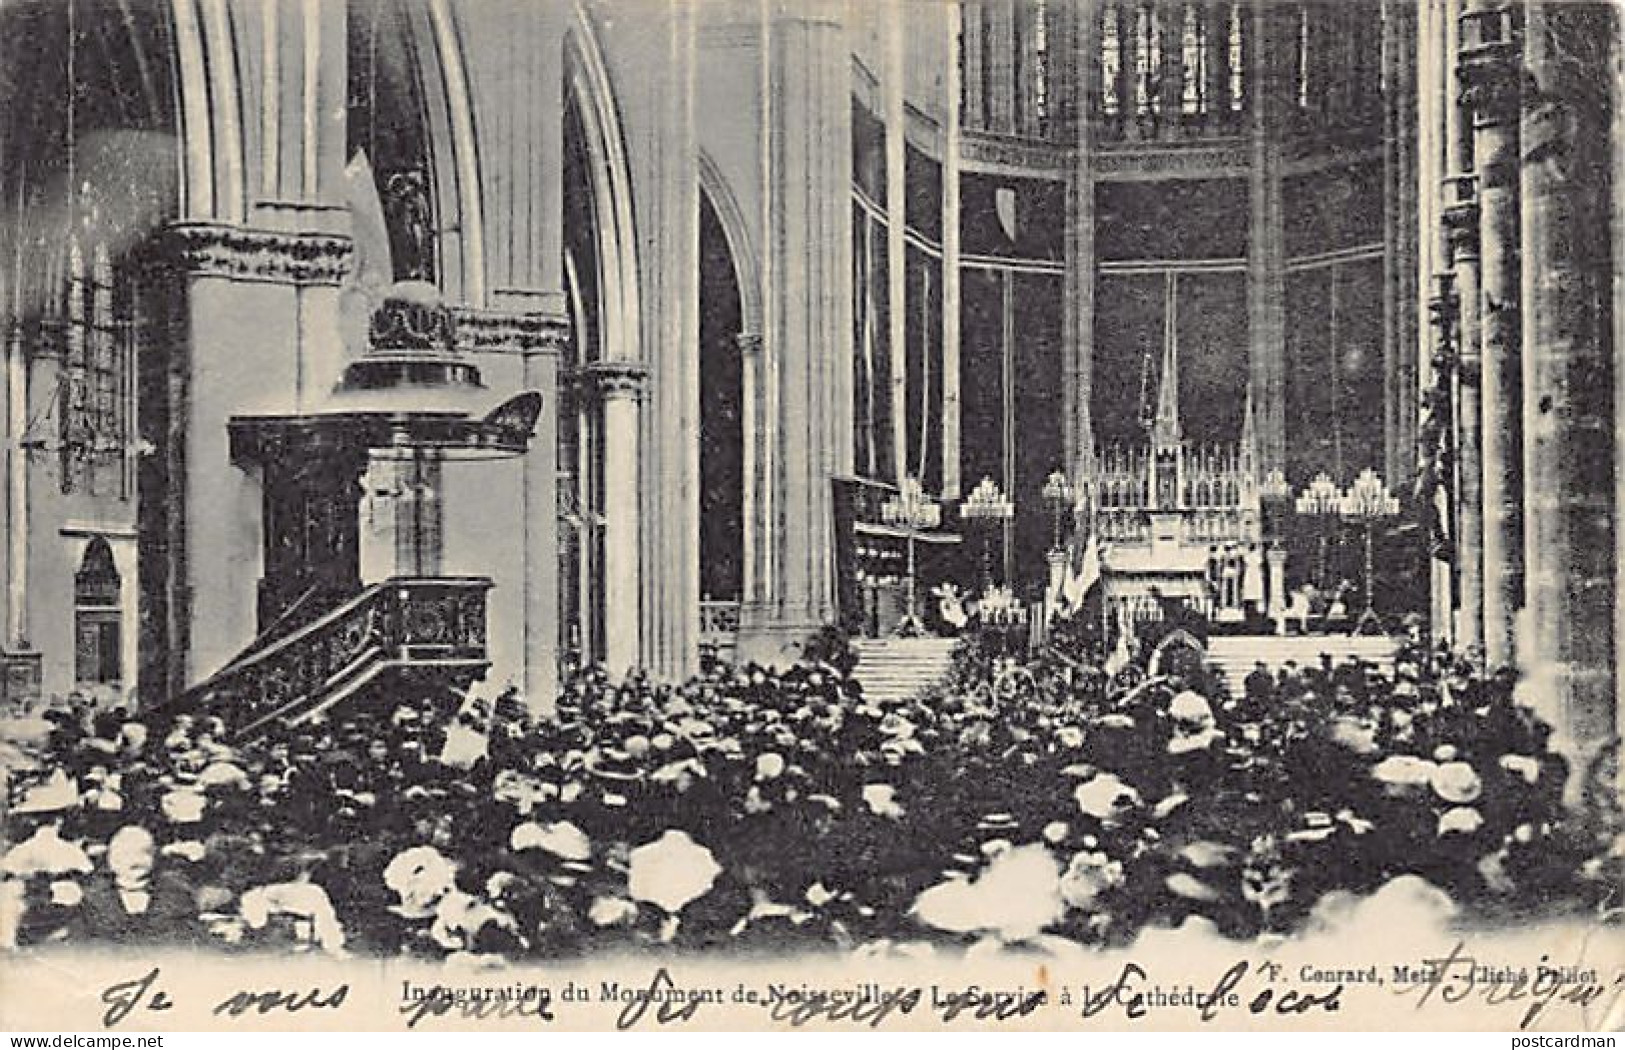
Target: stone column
(1461, 220)
(1266, 244)
(898, 312)
(16, 639)
(1567, 414)
(1078, 315)
(237, 280)
(807, 278)
(1488, 69)
(757, 527)
(666, 177)
(620, 387)
(521, 343)
(259, 259)
(1434, 103)
(950, 258)
(1400, 165)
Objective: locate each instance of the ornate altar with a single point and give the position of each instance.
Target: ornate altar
(1181, 525)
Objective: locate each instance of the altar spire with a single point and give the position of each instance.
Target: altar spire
(1248, 452)
(1166, 431)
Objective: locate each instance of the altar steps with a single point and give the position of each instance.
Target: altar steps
(894, 669)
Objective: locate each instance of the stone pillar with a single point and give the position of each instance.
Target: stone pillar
(620, 386)
(522, 342)
(1488, 69)
(516, 101)
(1401, 233)
(16, 553)
(512, 57)
(1567, 414)
(237, 281)
(1461, 220)
(1435, 104)
(807, 280)
(260, 257)
(666, 179)
(1266, 244)
(950, 257)
(757, 527)
(540, 681)
(898, 306)
(1078, 314)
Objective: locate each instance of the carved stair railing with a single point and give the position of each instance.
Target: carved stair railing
(311, 605)
(432, 624)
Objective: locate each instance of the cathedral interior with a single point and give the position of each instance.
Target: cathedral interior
(488, 340)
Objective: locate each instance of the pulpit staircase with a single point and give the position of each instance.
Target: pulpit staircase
(1235, 655)
(430, 630)
(895, 669)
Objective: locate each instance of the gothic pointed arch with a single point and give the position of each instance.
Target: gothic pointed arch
(724, 330)
(591, 95)
(97, 620)
(741, 245)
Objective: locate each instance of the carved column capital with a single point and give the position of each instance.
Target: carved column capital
(614, 379)
(238, 253)
(510, 331)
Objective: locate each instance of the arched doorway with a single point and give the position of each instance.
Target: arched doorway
(98, 627)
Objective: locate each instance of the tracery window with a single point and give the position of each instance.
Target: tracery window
(1111, 60)
(1237, 60)
(1301, 63)
(94, 328)
(1148, 63)
(1040, 70)
(1193, 63)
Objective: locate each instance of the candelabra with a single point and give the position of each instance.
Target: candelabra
(1322, 500)
(911, 510)
(987, 503)
(1367, 502)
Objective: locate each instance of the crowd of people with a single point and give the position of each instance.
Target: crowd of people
(1030, 797)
